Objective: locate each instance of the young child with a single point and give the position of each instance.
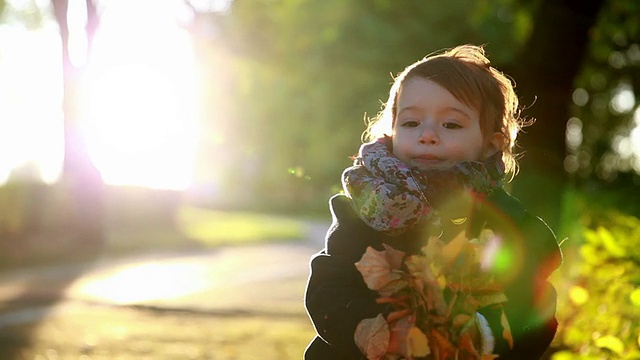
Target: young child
(434, 167)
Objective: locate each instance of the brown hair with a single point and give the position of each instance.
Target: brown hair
(467, 74)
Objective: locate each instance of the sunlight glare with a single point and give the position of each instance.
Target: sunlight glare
(145, 282)
(31, 119)
(141, 129)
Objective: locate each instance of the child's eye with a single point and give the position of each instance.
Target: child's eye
(452, 125)
(410, 123)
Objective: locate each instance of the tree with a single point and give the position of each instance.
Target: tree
(86, 187)
(545, 71)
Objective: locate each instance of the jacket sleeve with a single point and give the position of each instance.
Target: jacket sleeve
(533, 255)
(337, 298)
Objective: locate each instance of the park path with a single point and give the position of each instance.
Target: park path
(264, 278)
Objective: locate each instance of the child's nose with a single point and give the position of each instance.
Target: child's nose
(428, 135)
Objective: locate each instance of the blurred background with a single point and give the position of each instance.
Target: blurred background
(135, 126)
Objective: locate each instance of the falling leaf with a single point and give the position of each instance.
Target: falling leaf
(372, 337)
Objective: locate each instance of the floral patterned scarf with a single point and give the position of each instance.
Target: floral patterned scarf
(390, 196)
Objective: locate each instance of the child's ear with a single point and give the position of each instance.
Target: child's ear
(493, 145)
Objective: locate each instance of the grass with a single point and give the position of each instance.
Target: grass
(193, 227)
(213, 228)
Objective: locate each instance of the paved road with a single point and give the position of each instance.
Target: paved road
(254, 278)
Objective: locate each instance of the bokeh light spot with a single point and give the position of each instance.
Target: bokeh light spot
(578, 295)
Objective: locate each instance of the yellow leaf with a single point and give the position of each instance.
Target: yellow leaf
(491, 299)
(372, 337)
(433, 249)
(506, 329)
(461, 319)
(451, 250)
(417, 343)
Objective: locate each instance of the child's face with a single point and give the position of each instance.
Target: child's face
(433, 129)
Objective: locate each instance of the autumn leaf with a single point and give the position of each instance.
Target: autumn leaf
(461, 255)
(453, 248)
(443, 346)
(492, 298)
(417, 343)
(506, 329)
(392, 287)
(376, 267)
(394, 256)
(460, 320)
(418, 266)
(466, 344)
(372, 337)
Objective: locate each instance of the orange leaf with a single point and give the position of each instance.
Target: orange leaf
(506, 329)
(442, 345)
(466, 344)
(372, 337)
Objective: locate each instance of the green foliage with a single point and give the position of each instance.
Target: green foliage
(599, 293)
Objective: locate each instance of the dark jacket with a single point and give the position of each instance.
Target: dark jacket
(337, 298)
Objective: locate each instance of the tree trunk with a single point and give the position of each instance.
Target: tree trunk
(84, 180)
(544, 73)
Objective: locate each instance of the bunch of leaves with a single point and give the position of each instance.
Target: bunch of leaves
(599, 313)
(435, 297)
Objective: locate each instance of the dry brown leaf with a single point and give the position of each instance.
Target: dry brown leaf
(394, 256)
(372, 337)
(376, 269)
(392, 287)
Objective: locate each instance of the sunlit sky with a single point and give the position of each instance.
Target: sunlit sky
(138, 114)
